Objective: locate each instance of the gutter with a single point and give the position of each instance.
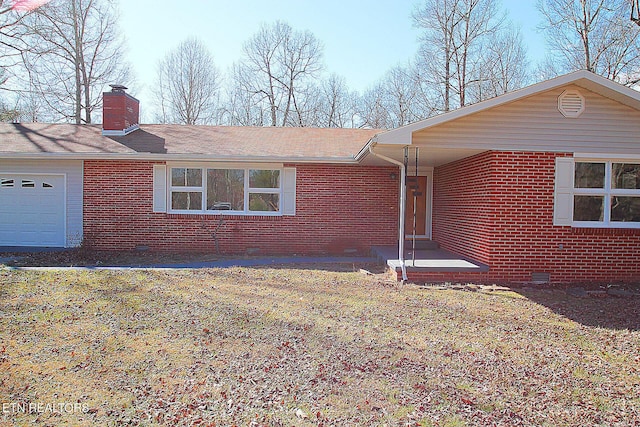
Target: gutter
(177, 157)
(403, 197)
(367, 148)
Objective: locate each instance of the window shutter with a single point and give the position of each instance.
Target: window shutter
(289, 191)
(159, 188)
(563, 197)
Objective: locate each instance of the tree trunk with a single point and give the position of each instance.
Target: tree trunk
(585, 34)
(462, 78)
(77, 59)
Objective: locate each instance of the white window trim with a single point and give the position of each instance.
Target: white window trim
(607, 192)
(247, 190)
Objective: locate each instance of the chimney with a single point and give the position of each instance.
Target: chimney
(120, 112)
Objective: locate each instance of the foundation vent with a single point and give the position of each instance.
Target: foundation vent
(540, 278)
(571, 103)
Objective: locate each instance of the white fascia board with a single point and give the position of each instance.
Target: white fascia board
(213, 164)
(364, 152)
(611, 89)
(402, 135)
(177, 157)
(606, 156)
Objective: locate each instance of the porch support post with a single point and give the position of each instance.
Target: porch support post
(403, 198)
(403, 206)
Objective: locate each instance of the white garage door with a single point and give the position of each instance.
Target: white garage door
(32, 210)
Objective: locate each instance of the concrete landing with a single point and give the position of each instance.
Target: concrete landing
(434, 260)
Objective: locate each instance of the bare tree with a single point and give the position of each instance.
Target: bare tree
(278, 69)
(241, 106)
(187, 85)
(503, 68)
(396, 100)
(76, 51)
(372, 109)
(9, 113)
(438, 18)
(455, 49)
(337, 104)
(13, 40)
(595, 35)
(403, 96)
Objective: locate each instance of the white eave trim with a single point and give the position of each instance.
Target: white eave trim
(606, 156)
(402, 135)
(365, 150)
(177, 157)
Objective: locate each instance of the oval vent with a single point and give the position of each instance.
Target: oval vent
(571, 103)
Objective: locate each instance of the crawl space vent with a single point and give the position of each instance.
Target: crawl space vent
(540, 278)
(571, 103)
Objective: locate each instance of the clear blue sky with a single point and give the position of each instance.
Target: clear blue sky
(362, 38)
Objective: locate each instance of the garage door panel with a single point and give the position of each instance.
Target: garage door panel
(29, 238)
(32, 210)
(8, 234)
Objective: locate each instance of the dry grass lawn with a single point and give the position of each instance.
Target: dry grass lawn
(305, 347)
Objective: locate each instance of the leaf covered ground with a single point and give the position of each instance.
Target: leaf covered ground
(88, 257)
(308, 347)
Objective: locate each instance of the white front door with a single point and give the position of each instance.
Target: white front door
(32, 210)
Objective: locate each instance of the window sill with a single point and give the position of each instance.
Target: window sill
(216, 216)
(605, 230)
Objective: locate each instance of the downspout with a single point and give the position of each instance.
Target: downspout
(403, 197)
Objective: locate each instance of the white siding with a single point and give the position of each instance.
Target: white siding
(73, 169)
(535, 124)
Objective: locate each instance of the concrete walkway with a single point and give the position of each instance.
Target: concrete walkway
(254, 262)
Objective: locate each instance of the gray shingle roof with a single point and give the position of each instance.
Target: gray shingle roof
(181, 140)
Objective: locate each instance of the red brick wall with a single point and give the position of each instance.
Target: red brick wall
(497, 208)
(119, 111)
(337, 208)
(462, 218)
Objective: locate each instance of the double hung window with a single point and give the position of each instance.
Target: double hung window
(606, 194)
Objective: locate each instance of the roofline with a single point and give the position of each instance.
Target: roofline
(181, 157)
(364, 151)
(402, 135)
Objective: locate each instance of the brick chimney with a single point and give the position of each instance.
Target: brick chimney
(120, 112)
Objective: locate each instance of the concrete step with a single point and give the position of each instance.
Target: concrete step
(421, 244)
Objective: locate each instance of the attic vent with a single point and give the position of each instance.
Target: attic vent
(571, 103)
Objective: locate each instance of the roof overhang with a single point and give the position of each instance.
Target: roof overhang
(403, 136)
(177, 157)
(427, 158)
